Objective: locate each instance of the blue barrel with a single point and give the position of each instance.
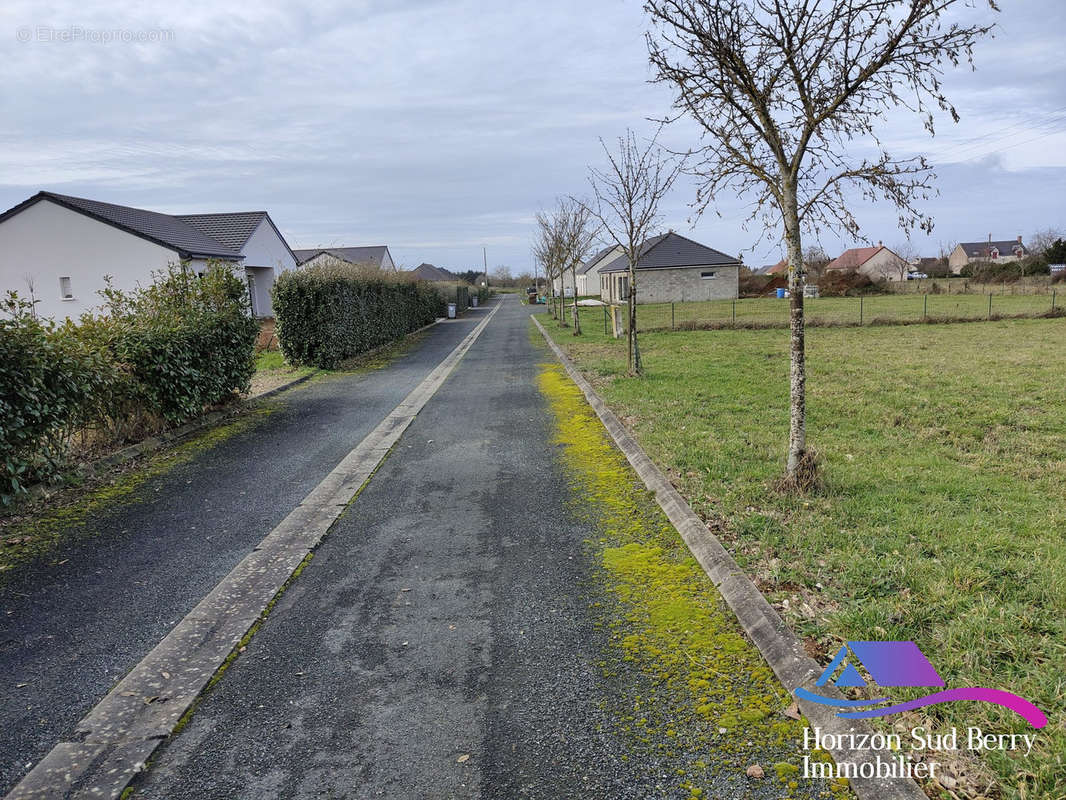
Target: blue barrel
(780, 294)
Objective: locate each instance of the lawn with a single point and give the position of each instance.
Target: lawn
(942, 518)
(872, 310)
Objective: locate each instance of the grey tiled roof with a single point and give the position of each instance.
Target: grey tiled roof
(981, 249)
(163, 229)
(233, 230)
(670, 250)
(373, 256)
(591, 262)
(428, 272)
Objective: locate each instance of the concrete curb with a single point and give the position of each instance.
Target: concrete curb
(113, 743)
(781, 648)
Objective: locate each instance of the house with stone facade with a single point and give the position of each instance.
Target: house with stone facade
(673, 269)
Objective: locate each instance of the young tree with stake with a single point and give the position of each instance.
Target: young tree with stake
(626, 199)
(779, 89)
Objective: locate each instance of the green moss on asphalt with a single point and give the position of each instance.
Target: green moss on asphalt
(695, 694)
(44, 524)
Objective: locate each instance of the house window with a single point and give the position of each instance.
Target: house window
(710, 273)
(65, 292)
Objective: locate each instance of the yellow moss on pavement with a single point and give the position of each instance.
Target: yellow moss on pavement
(696, 691)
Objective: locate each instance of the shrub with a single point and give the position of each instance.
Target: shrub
(846, 283)
(50, 383)
(329, 313)
(164, 352)
(184, 342)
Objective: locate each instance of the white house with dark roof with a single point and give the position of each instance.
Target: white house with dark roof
(254, 235)
(57, 249)
(566, 285)
(673, 269)
(377, 256)
(971, 252)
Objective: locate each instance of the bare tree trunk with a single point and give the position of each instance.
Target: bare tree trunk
(797, 431)
(577, 318)
(635, 365)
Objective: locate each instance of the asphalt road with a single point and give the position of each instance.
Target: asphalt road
(447, 639)
(440, 644)
(72, 625)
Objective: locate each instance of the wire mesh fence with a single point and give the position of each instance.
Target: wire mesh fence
(766, 312)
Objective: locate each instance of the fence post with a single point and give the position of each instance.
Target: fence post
(1052, 299)
(605, 320)
(734, 313)
(990, 305)
(671, 315)
(860, 309)
(925, 307)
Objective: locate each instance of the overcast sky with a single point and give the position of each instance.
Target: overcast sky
(440, 126)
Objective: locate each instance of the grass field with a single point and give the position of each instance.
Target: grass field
(873, 310)
(943, 515)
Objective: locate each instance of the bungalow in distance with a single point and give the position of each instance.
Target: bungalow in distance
(673, 268)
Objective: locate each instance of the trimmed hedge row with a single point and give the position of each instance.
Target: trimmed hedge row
(326, 314)
(154, 357)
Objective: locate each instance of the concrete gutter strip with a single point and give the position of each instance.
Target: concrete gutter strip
(112, 744)
(781, 648)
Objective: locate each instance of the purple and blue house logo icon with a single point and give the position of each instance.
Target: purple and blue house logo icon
(902, 664)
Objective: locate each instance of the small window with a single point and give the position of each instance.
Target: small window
(65, 291)
(710, 273)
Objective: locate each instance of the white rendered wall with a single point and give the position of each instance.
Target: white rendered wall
(47, 241)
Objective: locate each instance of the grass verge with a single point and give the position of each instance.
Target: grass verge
(942, 514)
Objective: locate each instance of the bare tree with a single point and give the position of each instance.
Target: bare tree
(501, 276)
(815, 260)
(626, 197)
(578, 231)
(778, 88)
(548, 248)
(1040, 241)
(908, 257)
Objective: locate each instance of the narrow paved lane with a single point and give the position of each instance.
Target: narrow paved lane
(440, 644)
(68, 632)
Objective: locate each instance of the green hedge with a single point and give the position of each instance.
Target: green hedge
(329, 313)
(159, 356)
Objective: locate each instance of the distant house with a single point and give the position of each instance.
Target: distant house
(59, 248)
(377, 257)
(780, 268)
(428, 272)
(877, 263)
(590, 267)
(971, 252)
(672, 268)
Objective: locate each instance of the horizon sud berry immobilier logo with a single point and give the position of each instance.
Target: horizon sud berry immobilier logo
(902, 664)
